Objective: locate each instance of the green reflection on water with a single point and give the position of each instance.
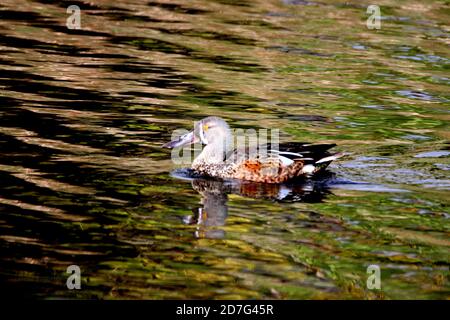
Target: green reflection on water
(84, 180)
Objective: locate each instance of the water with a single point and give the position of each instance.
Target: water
(84, 180)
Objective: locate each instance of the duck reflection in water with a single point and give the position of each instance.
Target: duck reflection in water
(213, 212)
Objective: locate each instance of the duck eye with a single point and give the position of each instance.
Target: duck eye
(205, 127)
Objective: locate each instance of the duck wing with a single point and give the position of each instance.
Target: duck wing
(289, 161)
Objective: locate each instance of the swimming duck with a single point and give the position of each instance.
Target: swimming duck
(220, 159)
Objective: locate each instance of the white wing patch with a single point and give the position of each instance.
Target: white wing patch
(287, 153)
(285, 161)
(308, 169)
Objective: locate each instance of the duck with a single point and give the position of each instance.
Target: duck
(219, 157)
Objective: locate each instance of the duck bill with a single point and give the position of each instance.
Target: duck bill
(184, 140)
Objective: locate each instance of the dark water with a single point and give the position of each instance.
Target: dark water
(84, 180)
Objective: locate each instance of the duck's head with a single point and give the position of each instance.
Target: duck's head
(210, 131)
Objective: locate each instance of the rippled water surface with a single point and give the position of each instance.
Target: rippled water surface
(84, 180)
